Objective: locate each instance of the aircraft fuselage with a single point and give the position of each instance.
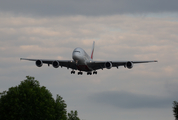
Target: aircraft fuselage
(81, 59)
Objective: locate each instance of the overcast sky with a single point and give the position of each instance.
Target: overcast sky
(121, 29)
(87, 7)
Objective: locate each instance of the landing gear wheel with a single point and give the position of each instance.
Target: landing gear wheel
(80, 73)
(95, 72)
(89, 73)
(72, 72)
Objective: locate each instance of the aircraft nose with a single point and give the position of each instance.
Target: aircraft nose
(75, 55)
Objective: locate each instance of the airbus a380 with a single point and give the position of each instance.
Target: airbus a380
(83, 62)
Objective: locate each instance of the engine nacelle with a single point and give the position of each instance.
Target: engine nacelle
(108, 65)
(55, 64)
(39, 63)
(129, 65)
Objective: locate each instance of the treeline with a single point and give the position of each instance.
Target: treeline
(175, 109)
(30, 101)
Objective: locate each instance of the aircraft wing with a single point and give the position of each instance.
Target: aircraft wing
(95, 65)
(63, 63)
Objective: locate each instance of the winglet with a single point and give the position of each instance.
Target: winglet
(92, 50)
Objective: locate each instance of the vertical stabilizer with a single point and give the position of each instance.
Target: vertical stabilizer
(92, 50)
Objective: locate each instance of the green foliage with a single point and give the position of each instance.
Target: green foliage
(60, 108)
(175, 109)
(29, 101)
(73, 115)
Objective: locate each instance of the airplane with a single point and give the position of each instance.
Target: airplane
(83, 62)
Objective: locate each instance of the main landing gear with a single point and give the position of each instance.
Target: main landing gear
(90, 73)
(81, 73)
(95, 72)
(72, 72)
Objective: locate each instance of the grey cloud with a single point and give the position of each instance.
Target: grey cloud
(84, 7)
(129, 100)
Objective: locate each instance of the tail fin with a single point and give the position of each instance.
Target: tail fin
(92, 50)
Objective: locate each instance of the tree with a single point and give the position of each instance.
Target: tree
(73, 115)
(175, 109)
(29, 101)
(60, 108)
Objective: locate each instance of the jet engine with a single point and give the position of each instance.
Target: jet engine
(129, 65)
(39, 63)
(55, 64)
(108, 65)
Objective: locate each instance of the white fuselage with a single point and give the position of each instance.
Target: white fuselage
(81, 58)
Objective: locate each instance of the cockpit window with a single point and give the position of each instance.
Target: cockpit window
(77, 51)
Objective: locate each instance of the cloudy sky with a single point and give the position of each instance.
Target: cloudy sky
(121, 29)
